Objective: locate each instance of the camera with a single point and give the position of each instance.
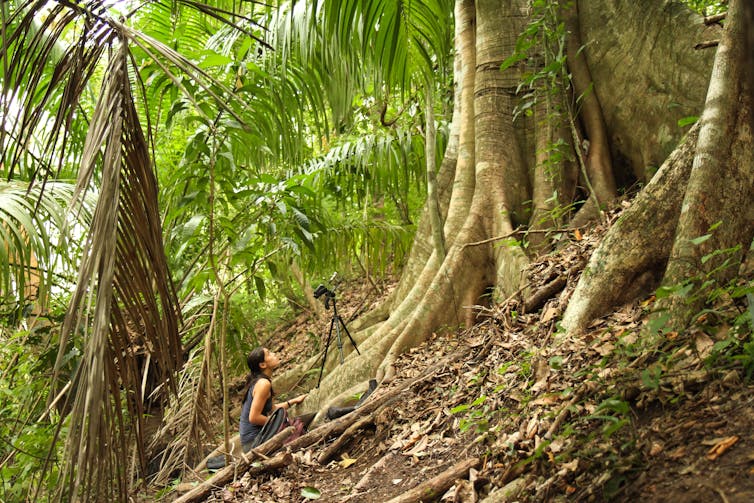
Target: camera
(322, 290)
(329, 295)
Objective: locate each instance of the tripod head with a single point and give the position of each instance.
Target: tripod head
(328, 294)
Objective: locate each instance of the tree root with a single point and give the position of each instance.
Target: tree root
(436, 486)
(542, 295)
(243, 465)
(340, 425)
(628, 252)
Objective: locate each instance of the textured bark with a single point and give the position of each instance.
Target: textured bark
(647, 74)
(433, 200)
(721, 184)
(597, 161)
(632, 257)
(555, 174)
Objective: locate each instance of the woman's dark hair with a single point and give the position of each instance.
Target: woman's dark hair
(255, 372)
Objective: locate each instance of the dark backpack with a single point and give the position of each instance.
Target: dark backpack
(277, 422)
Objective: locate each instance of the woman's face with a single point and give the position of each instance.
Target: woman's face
(271, 361)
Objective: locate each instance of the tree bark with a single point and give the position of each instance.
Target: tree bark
(595, 147)
(716, 223)
(632, 256)
(433, 201)
(647, 74)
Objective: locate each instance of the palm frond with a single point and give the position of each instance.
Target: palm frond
(186, 416)
(35, 238)
(124, 268)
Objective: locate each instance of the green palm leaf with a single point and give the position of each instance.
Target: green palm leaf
(34, 238)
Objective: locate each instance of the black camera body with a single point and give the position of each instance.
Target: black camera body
(323, 290)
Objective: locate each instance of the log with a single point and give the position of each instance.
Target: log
(243, 465)
(235, 449)
(436, 487)
(327, 454)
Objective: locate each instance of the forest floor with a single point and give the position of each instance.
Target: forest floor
(605, 416)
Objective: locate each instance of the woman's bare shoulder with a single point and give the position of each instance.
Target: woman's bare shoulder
(262, 386)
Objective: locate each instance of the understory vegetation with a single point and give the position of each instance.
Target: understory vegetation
(560, 189)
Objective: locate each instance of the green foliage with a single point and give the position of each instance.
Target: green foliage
(37, 247)
(476, 415)
(27, 432)
(707, 7)
(544, 36)
(310, 493)
(615, 413)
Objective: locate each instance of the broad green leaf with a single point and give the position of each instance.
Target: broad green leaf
(311, 493)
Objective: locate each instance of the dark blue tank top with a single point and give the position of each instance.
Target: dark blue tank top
(248, 430)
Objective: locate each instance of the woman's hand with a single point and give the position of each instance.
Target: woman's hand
(297, 400)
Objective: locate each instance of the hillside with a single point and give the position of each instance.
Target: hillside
(606, 416)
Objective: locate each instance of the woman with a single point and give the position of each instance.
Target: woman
(258, 403)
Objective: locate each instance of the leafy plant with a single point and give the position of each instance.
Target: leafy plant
(614, 412)
(474, 415)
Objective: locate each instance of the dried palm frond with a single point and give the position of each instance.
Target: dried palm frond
(185, 418)
(124, 275)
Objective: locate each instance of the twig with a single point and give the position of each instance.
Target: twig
(521, 231)
(715, 19)
(563, 413)
(718, 491)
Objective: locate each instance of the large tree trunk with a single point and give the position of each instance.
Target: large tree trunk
(647, 75)
(494, 167)
(698, 207)
(716, 222)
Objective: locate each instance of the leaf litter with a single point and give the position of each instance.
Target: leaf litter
(552, 418)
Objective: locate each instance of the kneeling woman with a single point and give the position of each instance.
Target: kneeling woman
(258, 401)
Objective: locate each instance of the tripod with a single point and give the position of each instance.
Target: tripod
(336, 321)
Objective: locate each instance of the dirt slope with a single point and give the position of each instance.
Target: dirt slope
(606, 416)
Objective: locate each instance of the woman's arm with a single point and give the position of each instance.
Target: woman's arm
(260, 395)
(293, 401)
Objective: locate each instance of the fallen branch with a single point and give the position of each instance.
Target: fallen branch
(339, 425)
(563, 413)
(362, 484)
(333, 448)
(435, 487)
(715, 19)
(544, 294)
(243, 465)
(707, 44)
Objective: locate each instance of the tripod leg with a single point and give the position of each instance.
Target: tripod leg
(340, 341)
(348, 334)
(324, 356)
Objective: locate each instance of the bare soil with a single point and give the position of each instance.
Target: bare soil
(606, 416)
